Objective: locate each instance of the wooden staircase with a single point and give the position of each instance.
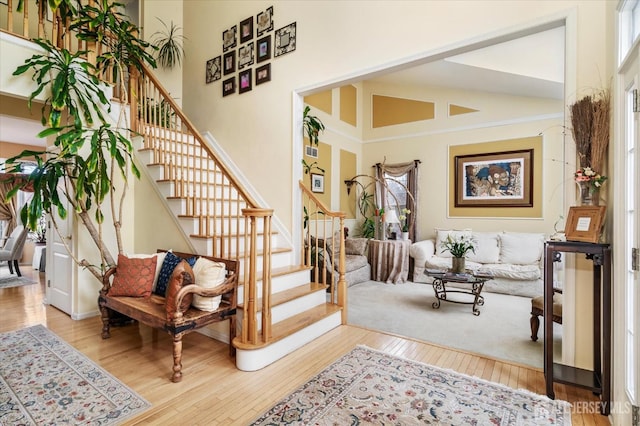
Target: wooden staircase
(217, 216)
(280, 309)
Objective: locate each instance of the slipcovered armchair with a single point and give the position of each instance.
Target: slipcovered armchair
(12, 250)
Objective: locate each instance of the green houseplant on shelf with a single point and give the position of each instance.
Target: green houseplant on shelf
(458, 246)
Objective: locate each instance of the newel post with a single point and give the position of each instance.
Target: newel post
(250, 315)
(342, 283)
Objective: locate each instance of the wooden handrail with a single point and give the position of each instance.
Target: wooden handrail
(178, 111)
(314, 248)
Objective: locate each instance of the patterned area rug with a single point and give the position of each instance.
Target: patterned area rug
(43, 380)
(368, 386)
(14, 281)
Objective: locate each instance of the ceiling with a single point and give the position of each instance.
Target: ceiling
(527, 66)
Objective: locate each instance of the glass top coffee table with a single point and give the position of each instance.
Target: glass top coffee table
(474, 280)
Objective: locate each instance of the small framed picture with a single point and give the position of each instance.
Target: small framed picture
(245, 81)
(229, 62)
(229, 38)
(584, 223)
(285, 40)
(246, 30)
(263, 52)
(245, 55)
(263, 74)
(317, 183)
(264, 21)
(229, 86)
(213, 72)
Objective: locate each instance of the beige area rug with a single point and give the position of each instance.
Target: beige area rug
(370, 387)
(45, 381)
(502, 330)
(14, 281)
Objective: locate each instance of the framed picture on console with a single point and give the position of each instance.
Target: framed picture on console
(496, 179)
(584, 223)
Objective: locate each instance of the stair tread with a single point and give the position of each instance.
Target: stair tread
(290, 294)
(291, 325)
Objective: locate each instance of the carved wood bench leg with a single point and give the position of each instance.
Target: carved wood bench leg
(535, 325)
(104, 316)
(177, 358)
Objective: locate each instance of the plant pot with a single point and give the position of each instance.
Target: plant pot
(457, 265)
(405, 235)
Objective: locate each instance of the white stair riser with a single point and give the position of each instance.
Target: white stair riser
(279, 283)
(285, 310)
(252, 360)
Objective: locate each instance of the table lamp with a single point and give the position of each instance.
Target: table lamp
(391, 220)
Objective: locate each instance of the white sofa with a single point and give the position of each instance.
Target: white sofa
(513, 258)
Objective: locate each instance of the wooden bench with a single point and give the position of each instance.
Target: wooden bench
(151, 311)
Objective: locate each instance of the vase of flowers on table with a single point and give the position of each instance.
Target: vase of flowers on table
(458, 246)
(404, 223)
(589, 181)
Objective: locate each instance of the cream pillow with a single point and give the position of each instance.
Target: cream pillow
(441, 235)
(160, 259)
(487, 248)
(208, 274)
(521, 248)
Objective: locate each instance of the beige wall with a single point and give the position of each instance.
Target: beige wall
(168, 11)
(323, 56)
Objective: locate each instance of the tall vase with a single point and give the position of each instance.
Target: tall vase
(379, 231)
(457, 265)
(589, 196)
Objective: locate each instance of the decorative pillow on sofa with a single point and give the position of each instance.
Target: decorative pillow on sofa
(176, 282)
(521, 248)
(357, 246)
(487, 248)
(208, 274)
(168, 265)
(441, 235)
(133, 277)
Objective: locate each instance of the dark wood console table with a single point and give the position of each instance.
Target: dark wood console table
(597, 380)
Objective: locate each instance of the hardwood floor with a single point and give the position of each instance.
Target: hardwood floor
(213, 391)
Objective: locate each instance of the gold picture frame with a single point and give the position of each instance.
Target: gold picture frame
(584, 223)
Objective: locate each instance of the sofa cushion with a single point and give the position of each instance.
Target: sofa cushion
(444, 263)
(529, 272)
(487, 247)
(441, 235)
(521, 248)
(208, 274)
(133, 277)
(356, 246)
(354, 262)
(176, 282)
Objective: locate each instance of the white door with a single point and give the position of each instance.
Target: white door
(627, 223)
(59, 279)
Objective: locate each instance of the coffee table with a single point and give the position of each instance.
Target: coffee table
(476, 283)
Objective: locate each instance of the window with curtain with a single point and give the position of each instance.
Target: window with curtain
(400, 190)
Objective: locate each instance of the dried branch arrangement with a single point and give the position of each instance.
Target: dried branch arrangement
(590, 128)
